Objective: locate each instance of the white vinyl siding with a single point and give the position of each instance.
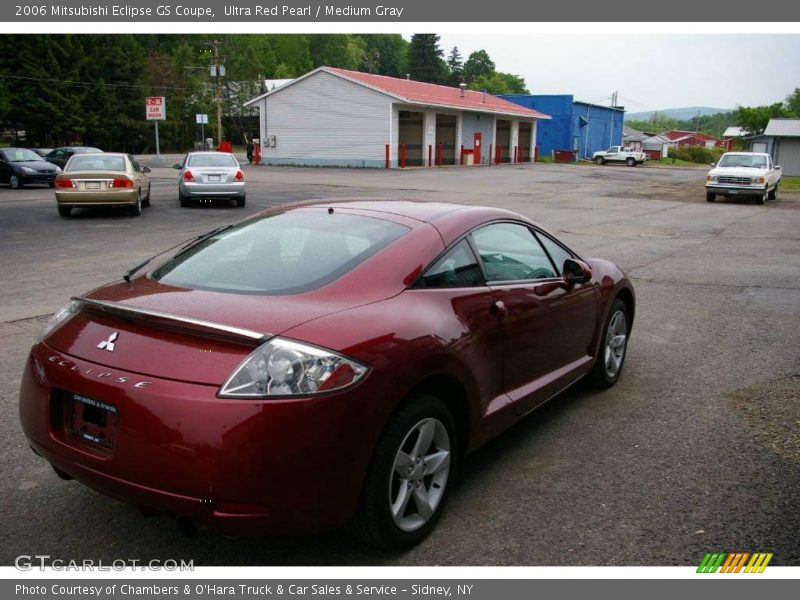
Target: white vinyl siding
(325, 119)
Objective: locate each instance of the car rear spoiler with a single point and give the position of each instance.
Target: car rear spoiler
(173, 322)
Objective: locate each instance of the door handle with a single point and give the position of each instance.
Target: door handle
(498, 309)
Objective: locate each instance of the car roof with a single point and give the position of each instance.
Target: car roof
(451, 219)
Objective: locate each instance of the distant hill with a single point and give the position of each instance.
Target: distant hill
(681, 114)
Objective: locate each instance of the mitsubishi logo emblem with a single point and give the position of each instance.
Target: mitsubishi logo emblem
(109, 343)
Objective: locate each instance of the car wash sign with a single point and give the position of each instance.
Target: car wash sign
(156, 108)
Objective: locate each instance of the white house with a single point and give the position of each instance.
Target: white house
(336, 117)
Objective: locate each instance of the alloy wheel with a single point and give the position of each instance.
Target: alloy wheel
(419, 474)
(615, 343)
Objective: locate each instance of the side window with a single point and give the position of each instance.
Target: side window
(457, 268)
(510, 253)
(134, 164)
(556, 251)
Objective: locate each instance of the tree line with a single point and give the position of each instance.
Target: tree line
(90, 89)
(753, 119)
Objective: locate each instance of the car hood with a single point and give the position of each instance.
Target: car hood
(738, 171)
(176, 333)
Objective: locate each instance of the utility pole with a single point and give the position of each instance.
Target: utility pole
(215, 44)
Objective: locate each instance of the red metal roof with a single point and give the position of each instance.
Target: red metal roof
(677, 134)
(417, 92)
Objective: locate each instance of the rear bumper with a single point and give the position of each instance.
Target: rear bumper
(212, 190)
(236, 466)
(122, 197)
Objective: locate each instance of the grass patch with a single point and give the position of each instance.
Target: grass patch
(544, 159)
(790, 184)
(676, 162)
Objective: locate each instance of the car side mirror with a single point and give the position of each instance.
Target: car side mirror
(713, 164)
(777, 167)
(177, 166)
(146, 169)
(576, 271)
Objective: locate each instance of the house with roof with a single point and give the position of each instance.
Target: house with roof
(633, 138)
(694, 138)
(781, 140)
(336, 117)
(579, 126)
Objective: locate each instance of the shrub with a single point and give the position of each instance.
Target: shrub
(696, 154)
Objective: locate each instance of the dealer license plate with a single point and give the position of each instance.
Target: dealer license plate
(215, 178)
(92, 185)
(94, 421)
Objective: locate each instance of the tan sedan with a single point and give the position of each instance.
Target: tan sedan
(103, 179)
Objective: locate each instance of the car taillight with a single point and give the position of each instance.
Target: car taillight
(239, 176)
(121, 182)
(187, 176)
(282, 367)
(65, 183)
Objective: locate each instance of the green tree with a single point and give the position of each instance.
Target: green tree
(793, 102)
(385, 54)
(455, 63)
(755, 119)
(425, 58)
(500, 83)
(478, 65)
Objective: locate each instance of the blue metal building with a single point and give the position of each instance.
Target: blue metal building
(575, 125)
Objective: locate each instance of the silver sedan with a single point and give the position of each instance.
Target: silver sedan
(209, 176)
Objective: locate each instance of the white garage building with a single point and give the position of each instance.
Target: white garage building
(335, 117)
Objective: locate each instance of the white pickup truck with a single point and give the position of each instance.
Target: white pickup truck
(744, 174)
(620, 154)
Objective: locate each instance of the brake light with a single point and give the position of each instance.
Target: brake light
(239, 176)
(187, 176)
(65, 183)
(121, 182)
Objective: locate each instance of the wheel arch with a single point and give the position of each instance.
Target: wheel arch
(452, 392)
(630, 304)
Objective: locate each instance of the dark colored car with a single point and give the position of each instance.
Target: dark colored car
(318, 363)
(60, 156)
(42, 151)
(21, 166)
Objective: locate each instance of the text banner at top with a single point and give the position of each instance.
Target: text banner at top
(364, 11)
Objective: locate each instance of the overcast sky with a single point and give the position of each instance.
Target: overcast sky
(653, 71)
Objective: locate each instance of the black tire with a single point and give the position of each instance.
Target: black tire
(15, 182)
(136, 209)
(241, 200)
(375, 522)
(631, 162)
(711, 197)
(600, 375)
(64, 211)
(600, 160)
(146, 199)
(762, 199)
(773, 195)
(183, 200)
(52, 184)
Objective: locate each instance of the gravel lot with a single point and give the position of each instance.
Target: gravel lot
(696, 449)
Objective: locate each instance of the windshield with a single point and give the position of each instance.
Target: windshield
(96, 162)
(743, 160)
(211, 160)
(20, 155)
(288, 253)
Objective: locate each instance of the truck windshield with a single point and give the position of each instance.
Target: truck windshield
(743, 160)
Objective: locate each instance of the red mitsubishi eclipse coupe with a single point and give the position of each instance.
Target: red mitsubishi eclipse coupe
(320, 362)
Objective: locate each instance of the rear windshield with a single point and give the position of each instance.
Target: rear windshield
(96, 162)
(211, 160)
(288, 253)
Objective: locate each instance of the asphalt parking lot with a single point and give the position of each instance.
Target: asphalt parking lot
(696, 449)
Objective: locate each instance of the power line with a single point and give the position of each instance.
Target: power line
(94, 83)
